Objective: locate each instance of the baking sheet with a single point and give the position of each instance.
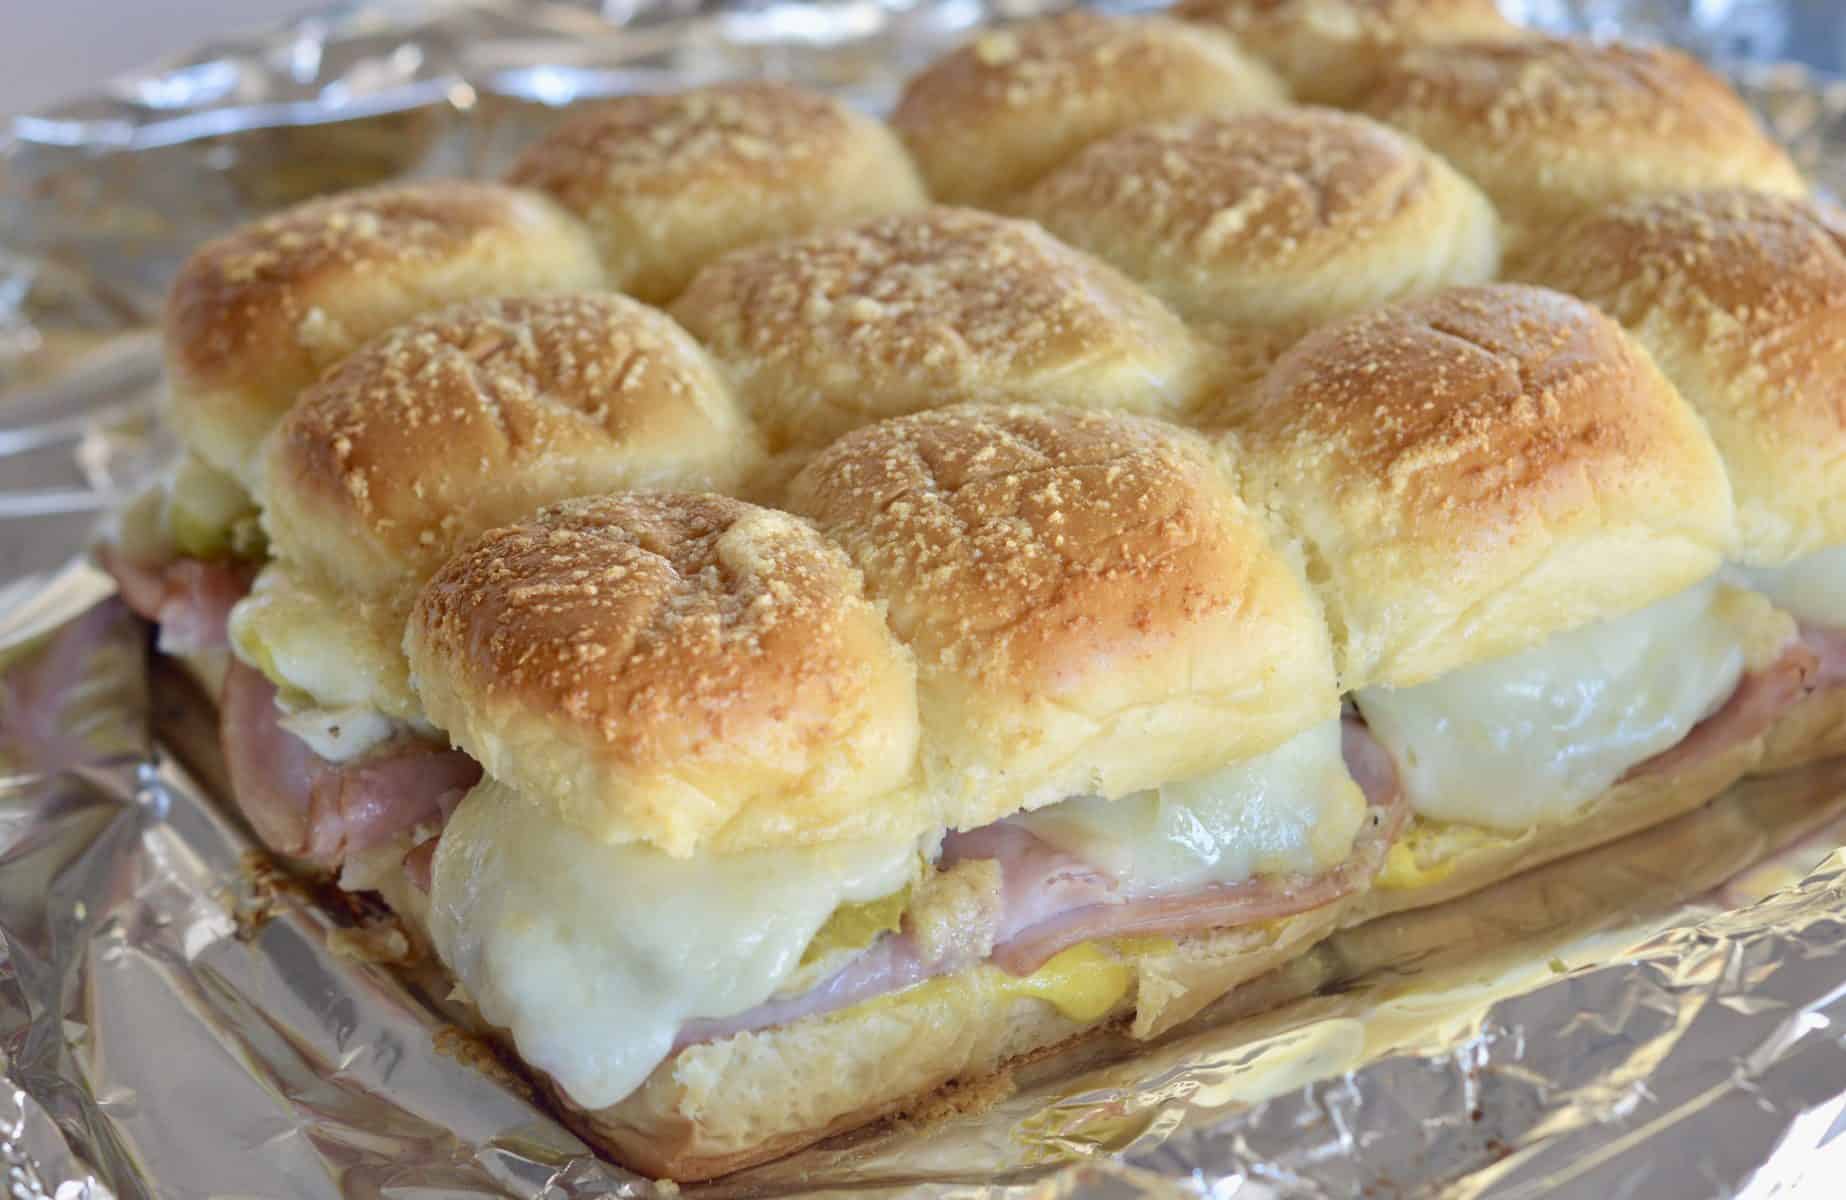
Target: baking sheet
(1659, 1018)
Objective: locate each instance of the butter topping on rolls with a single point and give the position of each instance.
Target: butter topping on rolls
(255, 316)
(986, 120)
(1554, 128)
(680, 669)
(666, 183)
(1092, 608)
(831, 331)
(449, 425)
(1328, 51)
(1276, 218)
(1472, 472)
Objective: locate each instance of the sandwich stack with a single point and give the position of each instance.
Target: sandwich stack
(798, 612)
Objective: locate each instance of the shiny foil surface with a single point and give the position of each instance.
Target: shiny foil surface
(1659, 1018)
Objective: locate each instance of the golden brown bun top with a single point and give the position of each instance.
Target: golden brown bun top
(828, 332)
(686, 670)
(1271, 218)
(986, 120)
(668, 182)
(1473, 472)
(1329, 50)
(1092, 608)
(1741, 298)
(1552, 128)
(481, 414)
(253, 317)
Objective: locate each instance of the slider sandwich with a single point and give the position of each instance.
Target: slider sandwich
(1259, 226)
(1741, 299)
(1329, 51)
(422, 439)
(986, 120)
(666, 183)
(1555, 128)
(788, 824)
(1516, 526)
(824, 333)
(254, 317)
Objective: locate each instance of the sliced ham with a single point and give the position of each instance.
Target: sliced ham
(1760, 698)
(1051, 900)
(1223, 906)
(1829, 649)
(190, 599)
(304, 806)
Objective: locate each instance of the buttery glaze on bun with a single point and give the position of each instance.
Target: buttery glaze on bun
(1270, 219)
(1555, 128)
(680, 669)
(443, 428)
(987, 119)
(1328, 51)
(254, 317)
(1472, 472)
(481, 414)
(825, 333)
(1741, 299)
(666, 183)
(1092, 608)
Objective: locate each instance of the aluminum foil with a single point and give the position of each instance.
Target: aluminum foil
(1656, 1019)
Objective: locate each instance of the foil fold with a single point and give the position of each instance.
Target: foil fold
(1657, 1018)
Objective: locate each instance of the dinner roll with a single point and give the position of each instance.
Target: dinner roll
(480, 415)
(1092, 608)
(1282, 217)
(454, 423)
(1553, 128)
(828, 332)
(667, 183)
(680, 669)
(1472, 472)
(989, 118)
(254, 317)
(1741, 299)
(1328, 51)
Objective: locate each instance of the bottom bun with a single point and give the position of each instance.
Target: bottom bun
(1433, 862)
(1813, 730)
(718, 1107)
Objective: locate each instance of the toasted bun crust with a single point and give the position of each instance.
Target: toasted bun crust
(722, 1106)
(986, 120)
(1273, 218)
(254, 317)
(826, 333)
(1741, 299)
(1472, 472)
(685, 670)
(481, 414)
(1329, 51)
(1554, 128)
(667, 183)
(1092, 609)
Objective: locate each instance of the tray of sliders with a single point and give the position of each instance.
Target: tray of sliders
(1240, 600)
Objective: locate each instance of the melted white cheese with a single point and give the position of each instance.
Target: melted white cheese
(1812, 588)
(1526, 740)
(594, 955)
(320, 651)
(1293, 809)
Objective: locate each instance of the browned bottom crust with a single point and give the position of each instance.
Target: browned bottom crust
(719, 1107)
(1813, 730)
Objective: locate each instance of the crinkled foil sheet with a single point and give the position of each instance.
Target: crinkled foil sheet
(1657, 1019)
